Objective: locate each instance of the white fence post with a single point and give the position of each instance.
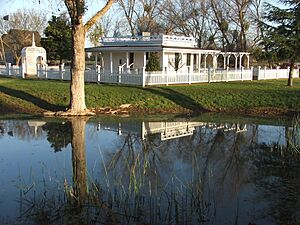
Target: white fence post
(277, 70)
(167, 79)
(62, 71)
(119, 78)
(288, 71)
(251, 72)
(209, 74)
(265, 70)
(258, 72)
(22, 70)
(98, 70)
(227, 71)
(46, 71)
(144, 76)
(189, 75)
(38, 70)
(8, 69)
(242, 73)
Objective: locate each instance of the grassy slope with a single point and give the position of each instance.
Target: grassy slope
(35, 96)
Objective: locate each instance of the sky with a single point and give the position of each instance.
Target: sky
(49, 7)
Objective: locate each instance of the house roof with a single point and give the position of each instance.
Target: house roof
(164, 43)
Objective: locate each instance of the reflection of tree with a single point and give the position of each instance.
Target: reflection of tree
(78, 158)
(279, 178)
(2, 129)
(58, 134)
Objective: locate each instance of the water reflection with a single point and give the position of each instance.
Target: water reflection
(160, 172)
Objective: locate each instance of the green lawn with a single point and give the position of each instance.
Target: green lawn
(254, 97)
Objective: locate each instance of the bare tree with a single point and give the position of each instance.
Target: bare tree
(24, 19)
(128, 7)
(187, 18)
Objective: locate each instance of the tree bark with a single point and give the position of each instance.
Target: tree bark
(77, 100)
(291, 72)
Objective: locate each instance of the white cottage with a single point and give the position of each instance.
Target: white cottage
(32, 57)
(177, 55)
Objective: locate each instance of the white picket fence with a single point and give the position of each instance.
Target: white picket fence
(10, 70)
(203, 76)
(267, 74)
(143, 78)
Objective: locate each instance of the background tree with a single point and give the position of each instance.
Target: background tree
(153, 62)
(24, 19)
(95, 34)
(58, 39)
(15, 40)
(282, 32)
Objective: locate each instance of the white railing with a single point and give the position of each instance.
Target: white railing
(160, 40)
(10, 70)
(266, 74)
(209, 75)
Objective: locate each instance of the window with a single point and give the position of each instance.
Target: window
(188, 59)
(131, 59)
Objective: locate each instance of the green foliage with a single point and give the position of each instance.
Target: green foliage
(58, 39)
(58, 134)
(153, 62)
(282, 30)
(96, 33)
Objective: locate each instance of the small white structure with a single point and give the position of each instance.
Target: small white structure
(32, 57)
(126, 54)
(124, 60)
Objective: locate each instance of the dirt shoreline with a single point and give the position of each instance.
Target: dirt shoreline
(131, 111)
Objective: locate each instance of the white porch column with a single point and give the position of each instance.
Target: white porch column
(199, 62)
(215, 61)
(205, 57)
(111, 62)
(145, 61)
(241, 57)
(192, 63)
(236, 61)
(182, 63)
(96, 58)
(228, 60)
(224, 61)
(127, 61)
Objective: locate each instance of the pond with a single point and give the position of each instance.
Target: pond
(131, 171)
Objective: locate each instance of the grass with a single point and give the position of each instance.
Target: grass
(252, 97)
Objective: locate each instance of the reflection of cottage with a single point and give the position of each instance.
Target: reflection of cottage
(32, 57)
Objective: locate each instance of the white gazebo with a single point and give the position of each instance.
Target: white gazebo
(32, 57)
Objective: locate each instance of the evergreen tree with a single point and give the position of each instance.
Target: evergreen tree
(58, 39)
(282, 32)
(153, 62)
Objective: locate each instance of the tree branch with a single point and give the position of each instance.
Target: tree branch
(98, 15)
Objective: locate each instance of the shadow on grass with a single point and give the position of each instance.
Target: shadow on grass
(30, 98)
(178, 98)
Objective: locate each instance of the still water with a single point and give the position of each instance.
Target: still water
(103, 171)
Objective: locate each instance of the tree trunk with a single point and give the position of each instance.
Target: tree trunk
(77, 100)
(291, 72)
